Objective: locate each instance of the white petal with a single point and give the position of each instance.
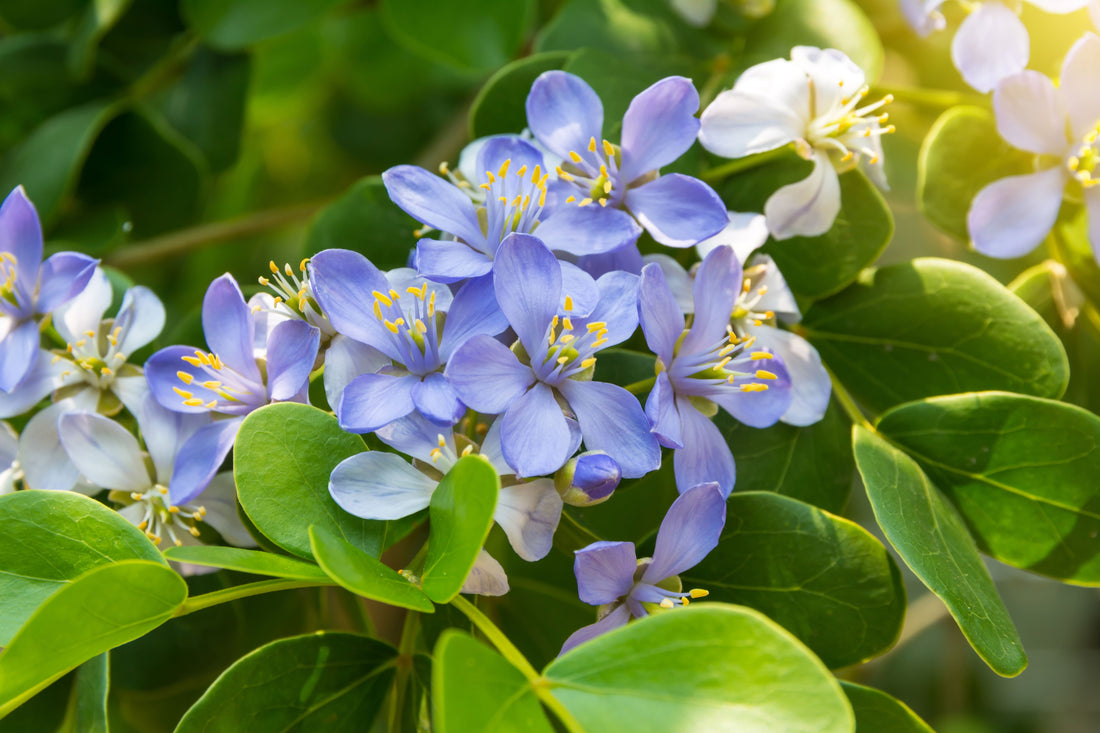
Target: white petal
(744, 233)
(9, 445)
(219, 499)
(778, 298)
(1081, 81)
(1094, 11)
(1030, 113)
(835, 76)
(141, 317)
(782, 81)
(695, 12)
(346, 359)
(1059, 6)
(678, 279)
(103, 451)
(807, 208)
(810, 383)
(766, 109)
(923, 15)
(529, 513)
(375, 485)
(991, 44)
(84, 312)
(487, 577)
(42, 457)
(1012, 216)
(45, 377)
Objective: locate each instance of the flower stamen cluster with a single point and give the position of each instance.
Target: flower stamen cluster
(162, 518)
(596, 178)
(1085, 159)
(508, 200)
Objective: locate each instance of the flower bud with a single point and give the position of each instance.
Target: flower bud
(588, 479)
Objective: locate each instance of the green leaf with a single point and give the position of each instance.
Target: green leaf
(282, 460)
(461, 515)
(711, 666)
(365, 575)
(818, 266)
(49, 539)
(632, 27)
(823, 578)
(930, 327)
(104, 608)
(99, 16)
(500, 106)
(48, 160)
(813, 464)
(87, 710)
(839, 24)
(37, 14)
(1021, 471)
(475, 35)
(234, 24)
(246, 561)
(961, 155)
(366, 220)
(327, 681)
(475, 689)
(932, 540)
(877, 712)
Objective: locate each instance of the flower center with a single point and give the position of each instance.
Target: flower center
(225, 389)
(724, 363)
(96, 355)
(513, 200)
(746, 311)
(414, 328)
(1085, 159)
(846, 130)
(7, 278)
(162, 519)
(571, 350)
(596, 175)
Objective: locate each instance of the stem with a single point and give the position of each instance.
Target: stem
(849, 405)
(739, 165)
(641, 387)
(405, 662)
(208, 600)
(933, 98)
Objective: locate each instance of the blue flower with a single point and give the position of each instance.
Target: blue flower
(588, 479)
(509, 195)
(228, 381)
(548, 400)
(566, 117)
(609, 574)
(706, 365)
(29, 287)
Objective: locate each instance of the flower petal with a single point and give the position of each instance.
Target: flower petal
(512, 148)
(777, 297)
(617, 307)
(227, 324)
(376, 485)
(486, 578)
(103, 451)
(1031, 114)
(199, 459)
(612, 420)
(715, 290)
(165, 432)
(1080, 72)
(661, 409)
(534, 436)
(435, 399)
(990, 44)
(528, 282)
(659, 126)
(346, 359)
(705, 456)
(659, 313)
(17, 359)
(344, 283)
(744, 232)
(61, 278)
(677, 210)
(474, 311)
(1092, 205)
(564, 112)
(760, 409)
(605, 571)
(373, 400)
(291, 352)
(434, 201)
(611, 621)
(46, 465)
(689, 531)
(588, 230)
(84, 311)
(835, 76)
(450, 261)
(416, 437)
(141, 318)
(21, 236)
(810, 384)
(487, 376)
(529, 514)
(807, 208)
(161, 373)
(766, 109)
(1012, 216)
(220, 502)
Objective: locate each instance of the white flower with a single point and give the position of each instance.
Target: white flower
(811, 101)
(1012, 216)
(9, 466)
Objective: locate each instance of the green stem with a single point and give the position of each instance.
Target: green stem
(166, 70)
(854, 413)
(932, 98)
(208, 600)
(540, 684)
(724, 171)
(641, 387)
(405, 661)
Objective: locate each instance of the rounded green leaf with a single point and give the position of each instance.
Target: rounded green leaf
(932, 540)
(476, 690)
(823, 578)
(327, 681)
(232, 24)
(475, 35)
(961, 155)
(281, 462)
(246, 561)
(712, 667)
(103, 608)
(499, 107)
(366, 220)
(461, 514)
(1021, 471)
(365, 575)
(931, 327)
(51, 538)
(877, 712)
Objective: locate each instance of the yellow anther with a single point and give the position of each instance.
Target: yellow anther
(567, 323)
(174, 510)
(287, 269)
(699, 593)
(492, 178)
(193, 361)
(444, 169)
(667, 603)
(603, 201)
(435, 454)
(56, 358)
(575, 157)
(608, 149)
(585, 202)
(467, 450)
(441, 440)
(273, 267)
(685, 601)
(592, 144)
(411, 290)
(137, 496)
(570, 199)
(568, 303)
(542, 198)
(193, 402)
(765, 374)
(90, 334)
(106, 370)
(565, 338)
(758, 355)
(378, 296)
(431, 304)
(80, 343)
(211, 384)
(607, 186)
(420, 326)
(603, 171)
(564, 175)
(378, 311)
(536, 173)
(596, 326)
(278, 299)
(183, 393)
(143, 525)
(394, 294)
(194, 533)
(211, 404)
(486, 186)
(504, 168)
(216, 362)
(302, 264)
(517, 200)
(391, 326)
(522, 171)
(562, 360)
(588, 362)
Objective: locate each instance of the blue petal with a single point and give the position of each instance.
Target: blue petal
(760, 409)
(588, 230)
(17, 355)
(487, 376)
(705, 456)
(717, 285)
(580, 288)
(528, 284)
(689, 531)
(376, 485)
(344, 283)
(611, 420)
(199, 459)
(511, 148)
(534, 436)
(626, 258)
(291, 351)
(474, 311)
(564, 112)
(605, 571)
(62, 278)
(611, 621)
(677, 210)
(810, 383)
(21, 235)
(227, 324)
(346, 359)
(659, 126)
(416, 437)
(432, 200)
(161, 373)
(374, 400)
(659, 313)
(662, 412)
(450, 261)
(617, 307)
(436, 400)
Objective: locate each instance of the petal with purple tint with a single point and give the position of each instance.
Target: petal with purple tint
(529, 513)
(141, 318)
(705, 456)
(376, 485)
(528, 284)
(486, 578)
(84, 312)
(611, 621)
(103, 451)
(374, 400)
(487, 376)
(1012, 216)
(291, 351)
(18, 353)
(744, 232)
(677, 210)
(564, 112)
(663, 413)
(659, 313)
(346, 359)
(220, 502)
(990, 44)
(760, 409)
(474, 311)
(715, 290)
(416, 436)
(605, 571)
(344, 283)
(434, 201)
(626, 258)
(46, 466)
(164, 431)
(449, 261)
(581, 290)
(689, 531)
(21, 236)
(1080, 72)
(588, 230)
(810, 384)
(535, 437)
(808, 207)
(611, 420)
(61, 278)
(44, 377)
(497, 150)
(617, 307)
(435, 399)
(1031, 114)
(161, 372)
(228, 327)
(659, 126)
(199, 459)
